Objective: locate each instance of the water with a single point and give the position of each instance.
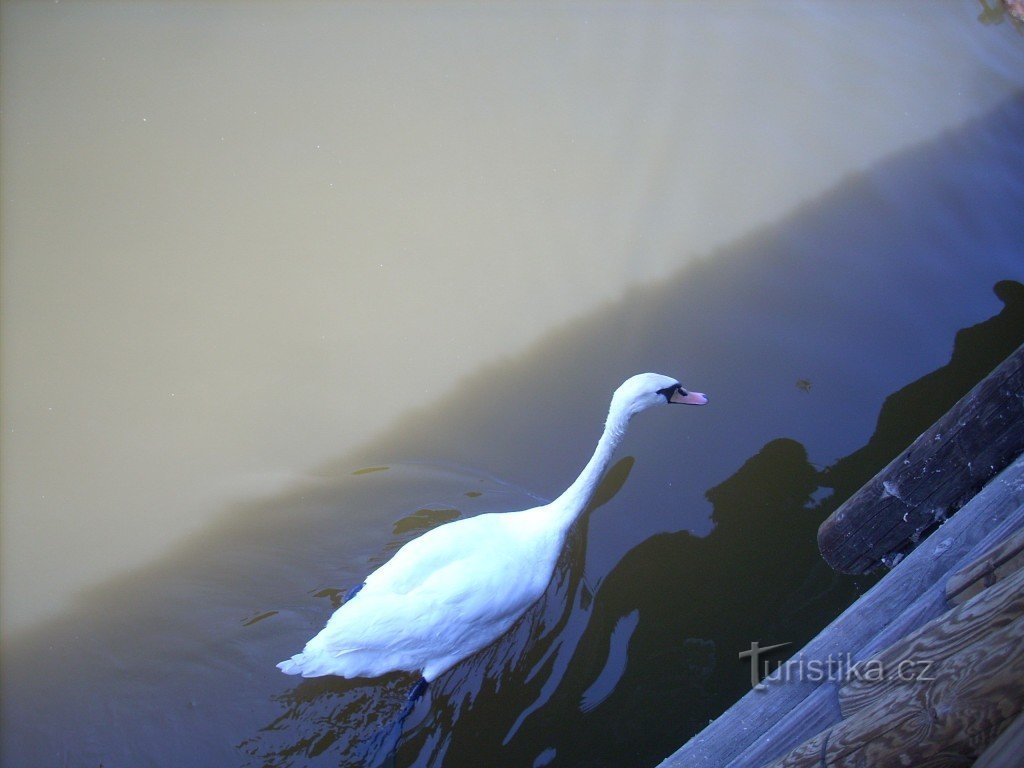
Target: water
(251, 252)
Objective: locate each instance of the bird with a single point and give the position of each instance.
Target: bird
(457, 588)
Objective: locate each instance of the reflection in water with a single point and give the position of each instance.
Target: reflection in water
(324, 716)
(675, 602)
(909, 411)
(175, 664)
(167, 658)
(724, 587)
(698, 602)
(339, 719)
(615, 665)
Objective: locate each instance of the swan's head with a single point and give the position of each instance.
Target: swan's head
(646, 390)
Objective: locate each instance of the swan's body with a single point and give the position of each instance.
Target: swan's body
(457, 588)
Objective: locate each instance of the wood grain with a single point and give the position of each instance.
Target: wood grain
(948, 721)
(933, 478)
(928, 649)
(998, 563)
(1008, 750)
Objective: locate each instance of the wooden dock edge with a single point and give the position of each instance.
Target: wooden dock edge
(966, 624)
(822, 708)
(943, 720)
(766, 724)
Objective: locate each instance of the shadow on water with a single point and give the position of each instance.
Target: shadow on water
(764, 516)
(799, 333)
(341, 717)
(908, 412)
(724, 589)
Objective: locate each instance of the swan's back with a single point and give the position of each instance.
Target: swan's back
(442, 597)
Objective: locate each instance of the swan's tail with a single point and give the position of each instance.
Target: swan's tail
(309, 665)
(293, 666)
(317, 661)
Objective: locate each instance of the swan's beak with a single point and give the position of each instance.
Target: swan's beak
(688, 398)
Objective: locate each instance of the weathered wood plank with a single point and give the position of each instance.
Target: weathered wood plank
(928, 566)
(1008, 750)
(933, 644)
(998, 563)
(812, 716)
(821, 708)
(947, 721)
(932, 478)
(932, 601)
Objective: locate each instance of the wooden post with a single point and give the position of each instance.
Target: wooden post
(933, 478)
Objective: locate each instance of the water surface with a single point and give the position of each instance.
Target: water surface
(284, 288)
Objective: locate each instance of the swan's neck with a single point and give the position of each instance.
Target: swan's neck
(574, 500)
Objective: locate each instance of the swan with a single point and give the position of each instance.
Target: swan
(457, 588)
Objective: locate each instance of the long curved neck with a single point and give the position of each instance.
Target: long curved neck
(574, 499)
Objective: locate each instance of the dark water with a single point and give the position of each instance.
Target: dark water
(826, 341)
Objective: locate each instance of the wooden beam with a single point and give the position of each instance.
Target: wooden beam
(933, 644)
(820, 709)
(998, 563)
(945, 722)
(933, 478)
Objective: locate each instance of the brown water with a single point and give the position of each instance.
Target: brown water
(250, 250)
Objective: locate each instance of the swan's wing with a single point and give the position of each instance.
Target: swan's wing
(441, 597)
(430, 595)
(436, 549)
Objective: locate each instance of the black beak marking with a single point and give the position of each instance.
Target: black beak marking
(667, 392)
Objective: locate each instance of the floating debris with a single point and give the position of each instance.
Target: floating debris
(258, 617)
(368, 470)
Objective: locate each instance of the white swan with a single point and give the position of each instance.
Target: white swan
(458, 587)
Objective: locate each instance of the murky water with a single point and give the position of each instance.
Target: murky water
(252, 252)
